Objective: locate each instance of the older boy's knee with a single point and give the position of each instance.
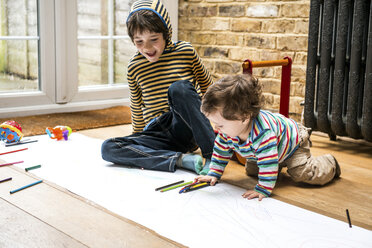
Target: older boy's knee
(106, 148)
(180, 89)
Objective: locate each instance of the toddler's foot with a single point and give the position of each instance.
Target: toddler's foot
(331, 160)
(338, 169)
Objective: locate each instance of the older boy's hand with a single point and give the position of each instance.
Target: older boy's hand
(250, 194)
(212, 180)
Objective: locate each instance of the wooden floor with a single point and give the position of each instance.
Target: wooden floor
(353, 191)
(50, 216)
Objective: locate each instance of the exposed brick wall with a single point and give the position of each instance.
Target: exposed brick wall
(225, 33)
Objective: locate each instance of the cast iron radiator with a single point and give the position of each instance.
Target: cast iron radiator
(338, 96)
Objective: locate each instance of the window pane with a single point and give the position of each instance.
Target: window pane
(124, 50)
(18, 46)
(18, 66)
(92, 17)
(18, 17)
(122, 9)
(93, 68)
(104, 47)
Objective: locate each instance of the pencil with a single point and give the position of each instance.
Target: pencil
(6, 179)
(199, 186)
(348, 218)
(11, 163)
(14, 151)
(20, 143)
(24, 187)
(184, 188)
(175, 186)
(189, 186)
(166, 186)
(33, 167)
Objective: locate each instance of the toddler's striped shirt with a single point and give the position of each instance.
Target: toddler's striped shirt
(272, 139)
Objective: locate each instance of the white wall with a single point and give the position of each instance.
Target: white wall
(172, 7)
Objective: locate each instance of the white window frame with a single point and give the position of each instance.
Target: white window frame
(58, 67)
(13, 102)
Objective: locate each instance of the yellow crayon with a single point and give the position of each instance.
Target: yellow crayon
(199, 185)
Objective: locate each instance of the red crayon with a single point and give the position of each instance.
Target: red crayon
(13, 151)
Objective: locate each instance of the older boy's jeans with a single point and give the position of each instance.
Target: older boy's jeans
(164, 140)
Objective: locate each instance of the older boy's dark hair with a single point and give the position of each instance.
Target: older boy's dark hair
(237, 97)
(146, 20)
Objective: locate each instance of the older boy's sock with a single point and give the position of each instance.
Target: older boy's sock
(193, 162)
(205, 169)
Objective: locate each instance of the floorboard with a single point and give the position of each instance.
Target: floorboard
(21, 229)
(44, 213)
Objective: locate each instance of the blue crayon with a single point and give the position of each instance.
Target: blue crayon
(26, 186)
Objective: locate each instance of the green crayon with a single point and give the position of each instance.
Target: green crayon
(33, 167)
(176, 186)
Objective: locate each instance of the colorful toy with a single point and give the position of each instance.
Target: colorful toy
(10, 132)
(59, 132)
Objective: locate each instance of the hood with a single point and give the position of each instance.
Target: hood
(158, 8)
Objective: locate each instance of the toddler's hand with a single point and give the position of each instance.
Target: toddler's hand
(210, 179)
(250, 194)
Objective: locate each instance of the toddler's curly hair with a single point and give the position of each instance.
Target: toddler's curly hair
(237, 97)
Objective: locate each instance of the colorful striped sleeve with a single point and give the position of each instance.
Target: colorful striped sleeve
(267, 161)
(222, 154)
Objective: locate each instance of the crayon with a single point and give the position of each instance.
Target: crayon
(33, 167)
(175, 186)
(26, 186)
(184, 188)
(11, 163)
(348, 218)
(188, 186)
(166, 186)
(197, 187)
(20, 143)
(6, 179)
(14, 151)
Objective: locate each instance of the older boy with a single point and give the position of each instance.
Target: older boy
(268, 141)
(166, 82)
